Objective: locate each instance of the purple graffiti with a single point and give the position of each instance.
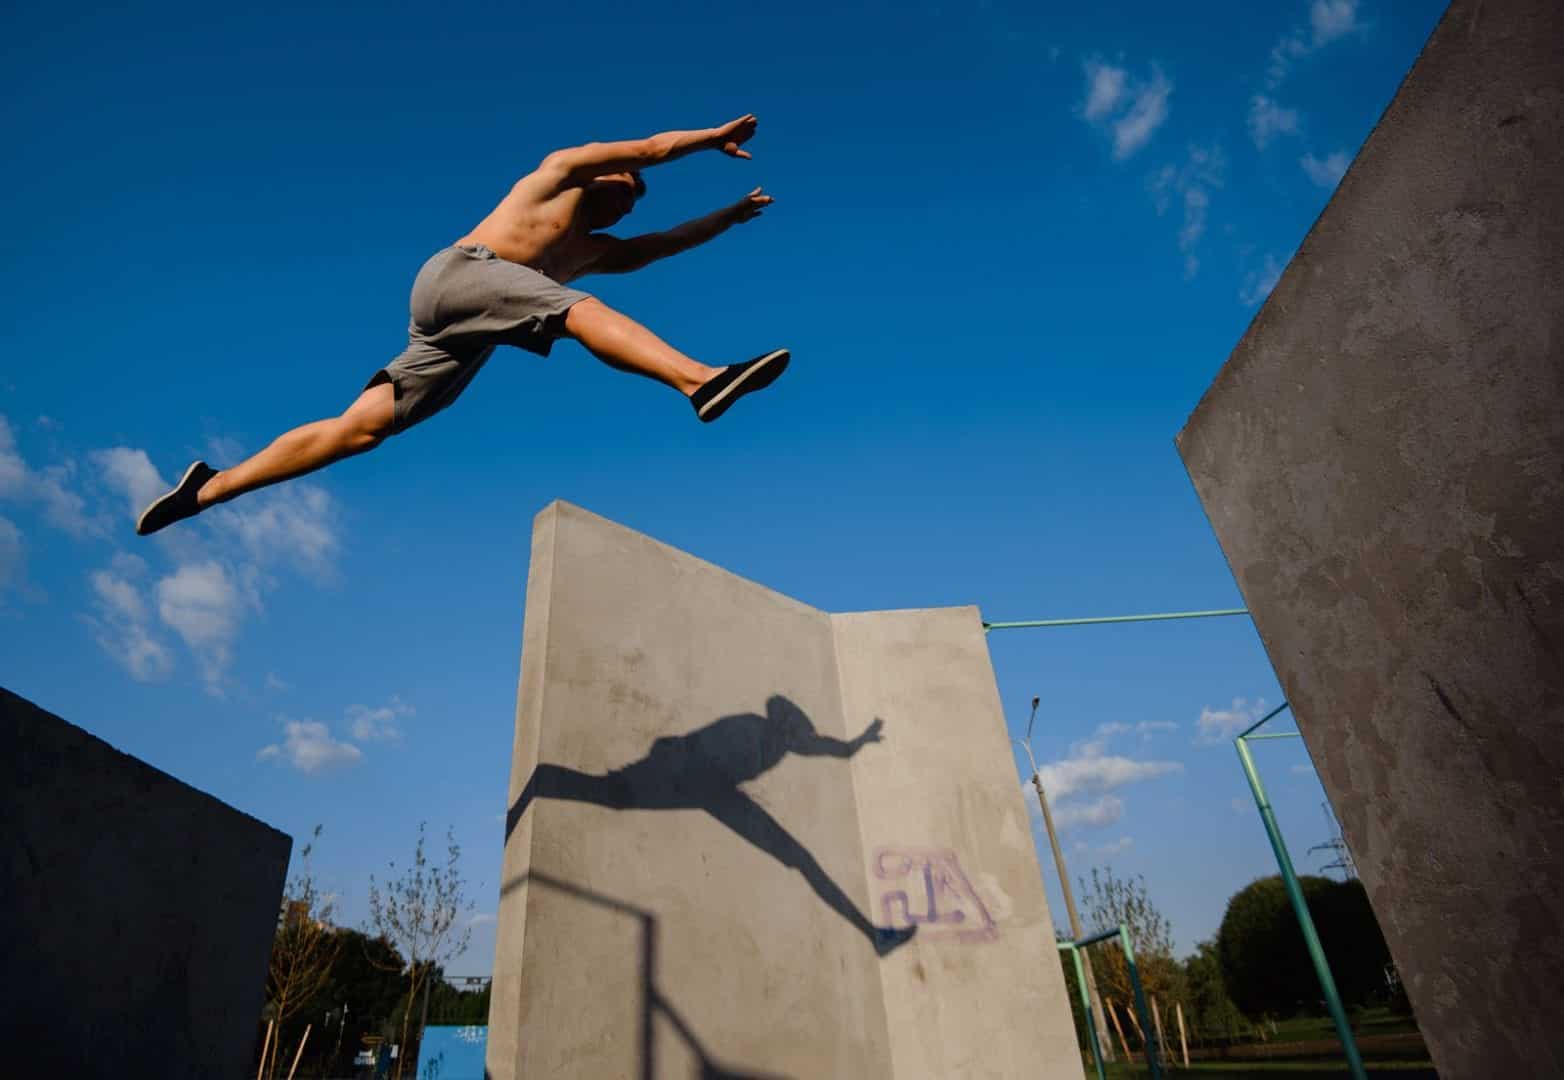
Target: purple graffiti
(938, 898)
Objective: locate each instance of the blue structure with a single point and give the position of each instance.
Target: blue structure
(452, 1052)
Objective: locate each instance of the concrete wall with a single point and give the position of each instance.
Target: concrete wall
(1382, 459)
(700, 843)
(137, 912)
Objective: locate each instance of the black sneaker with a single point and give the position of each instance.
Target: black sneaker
(178, 504)
(732, 383)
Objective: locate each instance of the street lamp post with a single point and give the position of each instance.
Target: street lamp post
(1104, 1043)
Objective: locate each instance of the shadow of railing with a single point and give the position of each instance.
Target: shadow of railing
(652, 1002)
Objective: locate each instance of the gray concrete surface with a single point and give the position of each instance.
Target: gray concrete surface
(1382, 459)
(750, 837)
(137, 911)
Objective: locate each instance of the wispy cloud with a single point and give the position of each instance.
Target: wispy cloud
(13, 554)
(1082, 788)
(1130, 110)
(131, 474)
(1116, 847)
(296, 527)
(378, 724)
(309, 747)
(1217, 725)
(1332, 19)
(1259, 282)
(1267, 120)
(1329, 20)
(50, 488)
(121, 622)
(204, 606)
(1327, 171)
(1190, 184)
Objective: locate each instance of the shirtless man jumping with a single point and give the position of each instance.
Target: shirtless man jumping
(503, 284)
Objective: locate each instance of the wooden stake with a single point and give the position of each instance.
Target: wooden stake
(1129, 1011)
(1183, 1039)
(1162, 1043)
(266, 1044)
(300, 1052)
(1113, 1014)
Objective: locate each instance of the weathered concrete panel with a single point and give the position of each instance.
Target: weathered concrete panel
(689, 881)
(137, 912)
(1382, 459)
(950, 845)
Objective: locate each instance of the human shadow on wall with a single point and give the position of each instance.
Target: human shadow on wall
(702, 770)
(652, 1001)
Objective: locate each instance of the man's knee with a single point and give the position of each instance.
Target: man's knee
(584, 314)
(370, 420)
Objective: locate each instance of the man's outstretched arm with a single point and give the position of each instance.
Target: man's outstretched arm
(582, 164)
(616, 256)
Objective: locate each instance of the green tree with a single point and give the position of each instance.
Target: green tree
(1265, 963)
(420, 915)
(1211, 1012)
(303, 949)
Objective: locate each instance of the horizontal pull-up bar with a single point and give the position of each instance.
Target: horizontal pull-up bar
(1029, 624)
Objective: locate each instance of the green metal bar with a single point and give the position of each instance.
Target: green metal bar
(1086, 1006)
(1147, 1031)
(1263, 720)
(1277, 735)
(1030, 623)
(1301, 909)
(1101, 935)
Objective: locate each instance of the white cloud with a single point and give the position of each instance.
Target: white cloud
(1117, 847)
(12, 552)
(204, 606)
(1099, 774)
(482, 917)
(273, 682)
(1267, 119)
(295, 526)
(1146, 727)
(1327, 171)
(1241, 806)
(1135, 128)
(378, 725)
(1331, 19)
(1104, 88)
(49, 487)
(130, 473)
(308, 746)
(1217, 725)
(119, 624)
(1204, 169)
(1328, 21)
(1258, 283)
(1099, 813)
(1130, 110)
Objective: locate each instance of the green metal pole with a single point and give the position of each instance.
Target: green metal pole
(1146, 1030)
(1301, 910)
(1086, 1007)
(1032, 623)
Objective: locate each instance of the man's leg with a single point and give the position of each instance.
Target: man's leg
(364, 425)
(621, 342)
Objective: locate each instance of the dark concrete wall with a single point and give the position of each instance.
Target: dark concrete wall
(136, 913)
(1382, 459)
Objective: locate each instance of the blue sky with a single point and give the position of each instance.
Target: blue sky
(1012, 245)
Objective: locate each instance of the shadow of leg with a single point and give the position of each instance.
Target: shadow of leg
(747, 818)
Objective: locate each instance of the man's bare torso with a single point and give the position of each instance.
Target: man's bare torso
(539, 228)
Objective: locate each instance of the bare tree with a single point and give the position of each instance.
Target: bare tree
(418, 915)
(304, 946)
(1110, 901)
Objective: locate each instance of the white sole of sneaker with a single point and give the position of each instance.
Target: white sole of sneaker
(763, 364)
(183, 480)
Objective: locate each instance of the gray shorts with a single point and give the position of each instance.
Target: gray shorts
(466, 300)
